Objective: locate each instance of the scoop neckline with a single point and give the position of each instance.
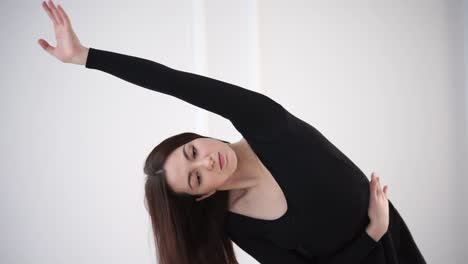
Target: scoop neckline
(282, 217)
(288, 204)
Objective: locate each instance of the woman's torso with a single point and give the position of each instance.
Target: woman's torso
(321, 193)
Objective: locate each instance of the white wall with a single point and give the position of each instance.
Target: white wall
(382, 80)
(464, 131)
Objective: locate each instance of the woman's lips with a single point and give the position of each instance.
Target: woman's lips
(221, 161)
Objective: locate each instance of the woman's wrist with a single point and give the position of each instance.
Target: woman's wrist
(81, 57)
(375, 232)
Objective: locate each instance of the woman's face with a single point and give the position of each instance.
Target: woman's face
(194, 168)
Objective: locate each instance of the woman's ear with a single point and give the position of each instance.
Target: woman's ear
(205, 196)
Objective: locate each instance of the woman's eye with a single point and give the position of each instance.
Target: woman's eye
(194, 152)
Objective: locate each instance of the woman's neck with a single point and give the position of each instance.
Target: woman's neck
(248, 173)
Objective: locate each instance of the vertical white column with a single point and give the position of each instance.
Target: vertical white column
(199, 57)
(465, 115)
(254, 47)
(225, 47)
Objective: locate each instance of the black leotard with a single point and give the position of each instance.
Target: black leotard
(327, 194)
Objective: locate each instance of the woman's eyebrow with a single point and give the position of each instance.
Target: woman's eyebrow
(186, 157)
(185, 153)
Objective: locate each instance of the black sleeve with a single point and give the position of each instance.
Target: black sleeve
(250, 112)
(265, 252)
(354, 252)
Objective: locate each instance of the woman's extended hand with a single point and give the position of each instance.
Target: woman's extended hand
(378, 209)
(69, 48)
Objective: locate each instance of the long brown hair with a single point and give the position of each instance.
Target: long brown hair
(185, 231)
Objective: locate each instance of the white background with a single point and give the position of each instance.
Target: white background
(385, 81)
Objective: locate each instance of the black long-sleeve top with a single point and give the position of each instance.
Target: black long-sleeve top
(326, 193)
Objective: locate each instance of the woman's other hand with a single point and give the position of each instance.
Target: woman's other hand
(69, 48)
(378, 209)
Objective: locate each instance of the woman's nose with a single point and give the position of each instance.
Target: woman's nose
(207, 163)
(210, 162)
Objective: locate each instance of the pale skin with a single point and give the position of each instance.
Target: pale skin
(241, 172)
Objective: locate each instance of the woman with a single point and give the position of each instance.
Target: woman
(283, 193)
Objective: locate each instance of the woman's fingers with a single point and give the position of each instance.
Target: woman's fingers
(46, 46)
(374, 185)
(385, 190)
(377, 189)
(43, 43)
(49, 13)
(55, 12)
(64, 15)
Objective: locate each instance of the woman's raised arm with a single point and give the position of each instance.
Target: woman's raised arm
(252, 113)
